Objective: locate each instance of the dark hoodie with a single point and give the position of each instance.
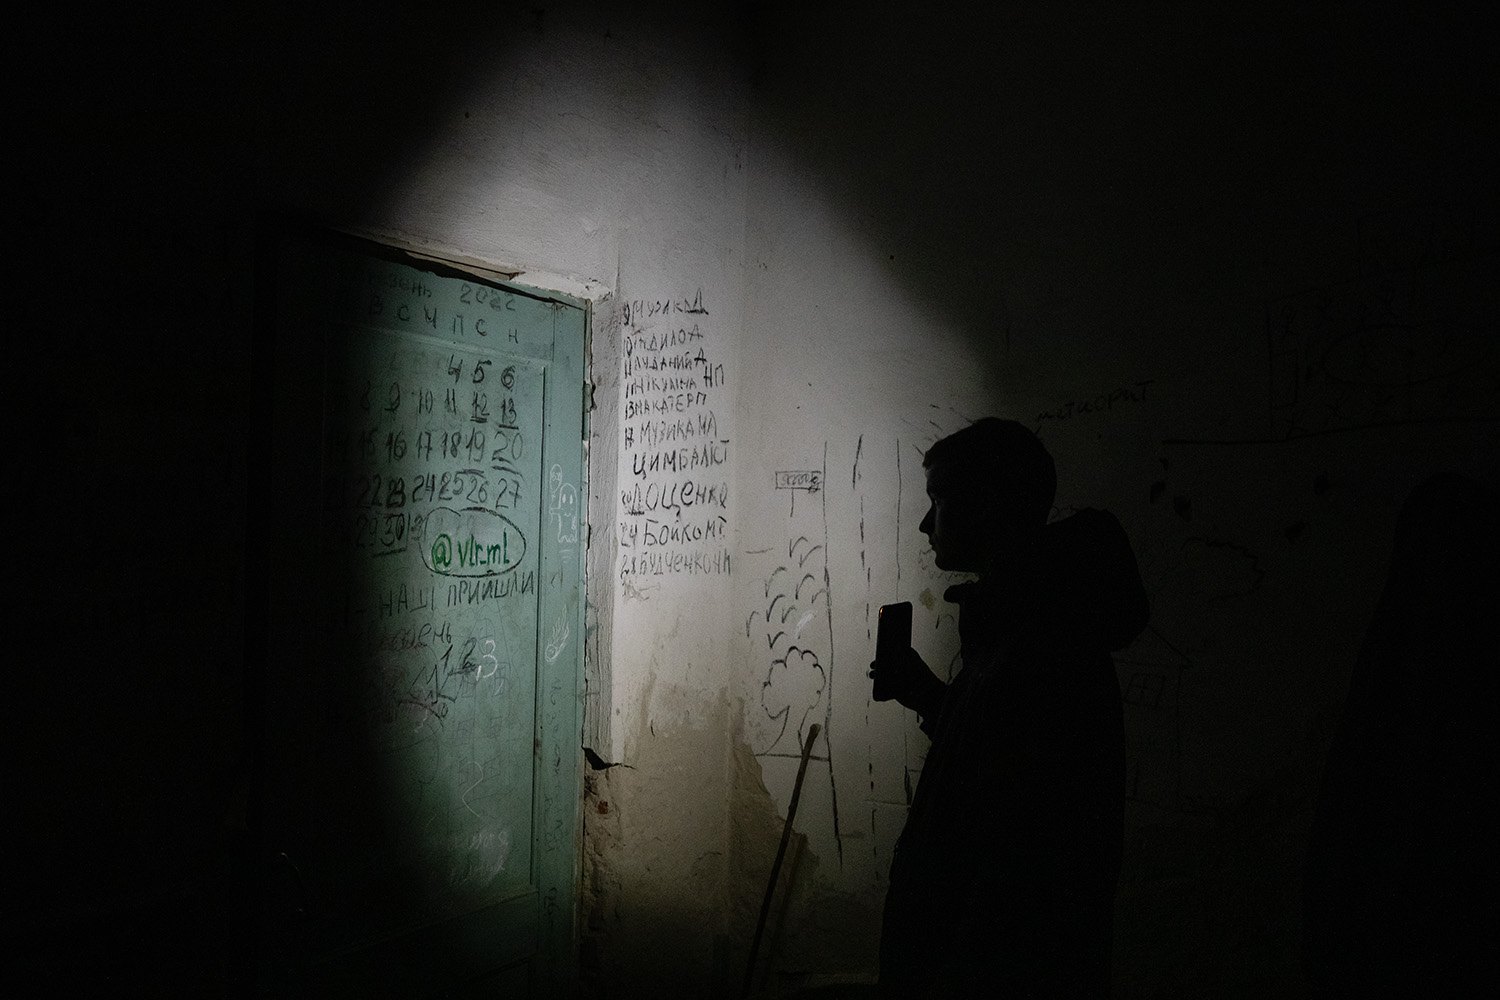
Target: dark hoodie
(1004, 876)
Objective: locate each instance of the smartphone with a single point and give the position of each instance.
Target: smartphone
(892, 640)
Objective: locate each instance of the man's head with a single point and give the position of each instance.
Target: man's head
(991, 486)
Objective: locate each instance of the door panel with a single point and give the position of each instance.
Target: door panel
(420, 690)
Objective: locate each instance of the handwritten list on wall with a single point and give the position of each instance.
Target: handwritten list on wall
(674, 493)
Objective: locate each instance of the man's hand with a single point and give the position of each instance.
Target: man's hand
(906, 679)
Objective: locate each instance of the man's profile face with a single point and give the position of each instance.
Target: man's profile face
(952, 526)
(967, 529)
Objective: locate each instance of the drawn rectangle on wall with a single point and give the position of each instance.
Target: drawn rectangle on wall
(810, 480)
(420, 525)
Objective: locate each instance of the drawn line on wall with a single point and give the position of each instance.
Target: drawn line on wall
(838, 837)
(465, 795)
(778, 569)
(898, 512)
(1331, 431)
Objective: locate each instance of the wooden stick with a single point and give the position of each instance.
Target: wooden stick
(786, 836)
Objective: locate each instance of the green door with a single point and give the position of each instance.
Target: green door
(419, 518)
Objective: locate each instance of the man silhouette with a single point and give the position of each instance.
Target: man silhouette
(1004, 876)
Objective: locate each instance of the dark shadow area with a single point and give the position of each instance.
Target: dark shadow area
(1400, 890)
(136, 145)
(145, 147)
(1008, 162)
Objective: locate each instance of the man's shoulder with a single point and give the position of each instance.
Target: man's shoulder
(1085, 534)
(1086, 519)
(1096, 579)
